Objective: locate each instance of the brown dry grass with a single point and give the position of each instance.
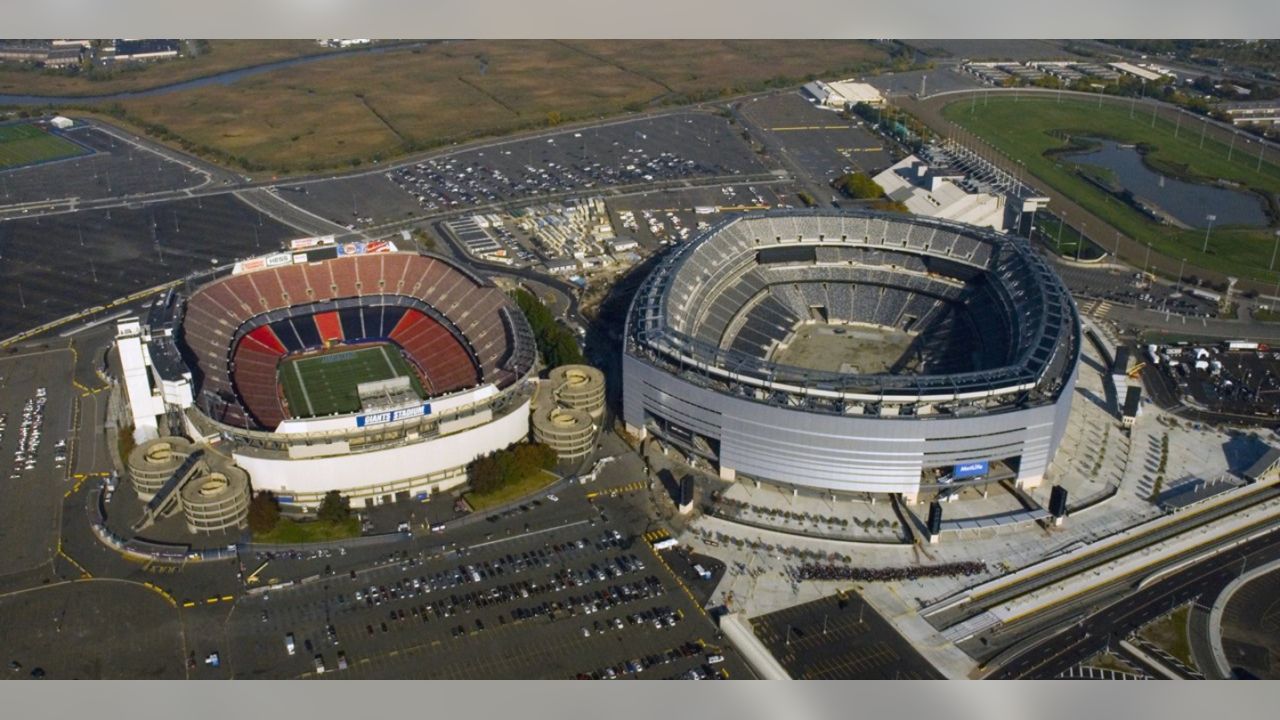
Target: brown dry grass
(223, 55)
(331, 114)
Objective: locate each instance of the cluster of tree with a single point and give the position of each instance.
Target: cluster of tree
(513, 465)
(556, 343)
(334, 508)
(858, 186)
(264, 512)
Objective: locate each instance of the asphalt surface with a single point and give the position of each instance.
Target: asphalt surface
(840, 638)
(951, 616)
(30, 498)
(1106, 626)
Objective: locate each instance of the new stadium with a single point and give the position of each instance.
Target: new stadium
(335, 366)
(854, 351)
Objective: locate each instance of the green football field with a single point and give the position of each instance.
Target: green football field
(24, 144)
(326, 384)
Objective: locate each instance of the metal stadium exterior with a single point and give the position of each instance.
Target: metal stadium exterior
(995, 341)
(213, 347)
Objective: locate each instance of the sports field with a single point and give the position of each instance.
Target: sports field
(1031, 129)
(326, 384)
(24, 144)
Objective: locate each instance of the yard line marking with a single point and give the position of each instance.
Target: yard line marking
(303, 385)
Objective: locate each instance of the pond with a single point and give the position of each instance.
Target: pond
(1187, 202)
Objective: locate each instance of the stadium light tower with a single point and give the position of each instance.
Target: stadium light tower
(1207, 230)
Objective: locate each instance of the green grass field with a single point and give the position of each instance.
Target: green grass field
(288, 532)
(514, 491)
(326, 384)
(23, 144)
(1029, 129)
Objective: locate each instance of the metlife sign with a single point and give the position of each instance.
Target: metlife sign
(972, 469)
(393, 415)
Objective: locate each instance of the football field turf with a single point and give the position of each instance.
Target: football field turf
(24, 144)
(326, 384)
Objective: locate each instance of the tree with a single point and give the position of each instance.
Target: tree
(264, 512)
(859, 186)
(556, 343)
(512, 465)
(485, 474)
(334, 508)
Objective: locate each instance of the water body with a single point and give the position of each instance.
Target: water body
(1188, 202)
(222, 78)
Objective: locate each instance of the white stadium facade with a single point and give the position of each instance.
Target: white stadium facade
(204, 365)
(854, 352)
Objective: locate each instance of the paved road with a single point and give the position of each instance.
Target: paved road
(1105, 627)
(967, 610)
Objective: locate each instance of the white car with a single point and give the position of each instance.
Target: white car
(553, 498)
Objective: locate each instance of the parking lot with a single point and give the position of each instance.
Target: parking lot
(58, 265)
(1235, 382)
(1093, 286)
(115, 168)
(666, 217)
(840, 638)
(671, 147)
(576, 598)
(815, 141)
(35, 415)
(94, 629)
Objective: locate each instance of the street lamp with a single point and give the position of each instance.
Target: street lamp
(1273, 251)
(1207, 230)
(1145, 261)
(1181, 267)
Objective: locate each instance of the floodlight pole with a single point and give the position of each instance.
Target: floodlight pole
(1207, 230)
(1274, 248)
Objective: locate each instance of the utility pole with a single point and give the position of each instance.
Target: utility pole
(1232, 147)
(1145, 261)
(1203, 127)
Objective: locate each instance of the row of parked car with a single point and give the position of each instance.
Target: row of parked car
(636, 666)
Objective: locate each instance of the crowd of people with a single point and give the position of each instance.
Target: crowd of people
(816, 571)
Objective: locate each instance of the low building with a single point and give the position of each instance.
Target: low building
(145, 50)
(62, 123)
(620, 245)
(1135, 71)
(843, 94)
(1252, 112)
(561, 266)
(937, 193)
(1266, 466)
